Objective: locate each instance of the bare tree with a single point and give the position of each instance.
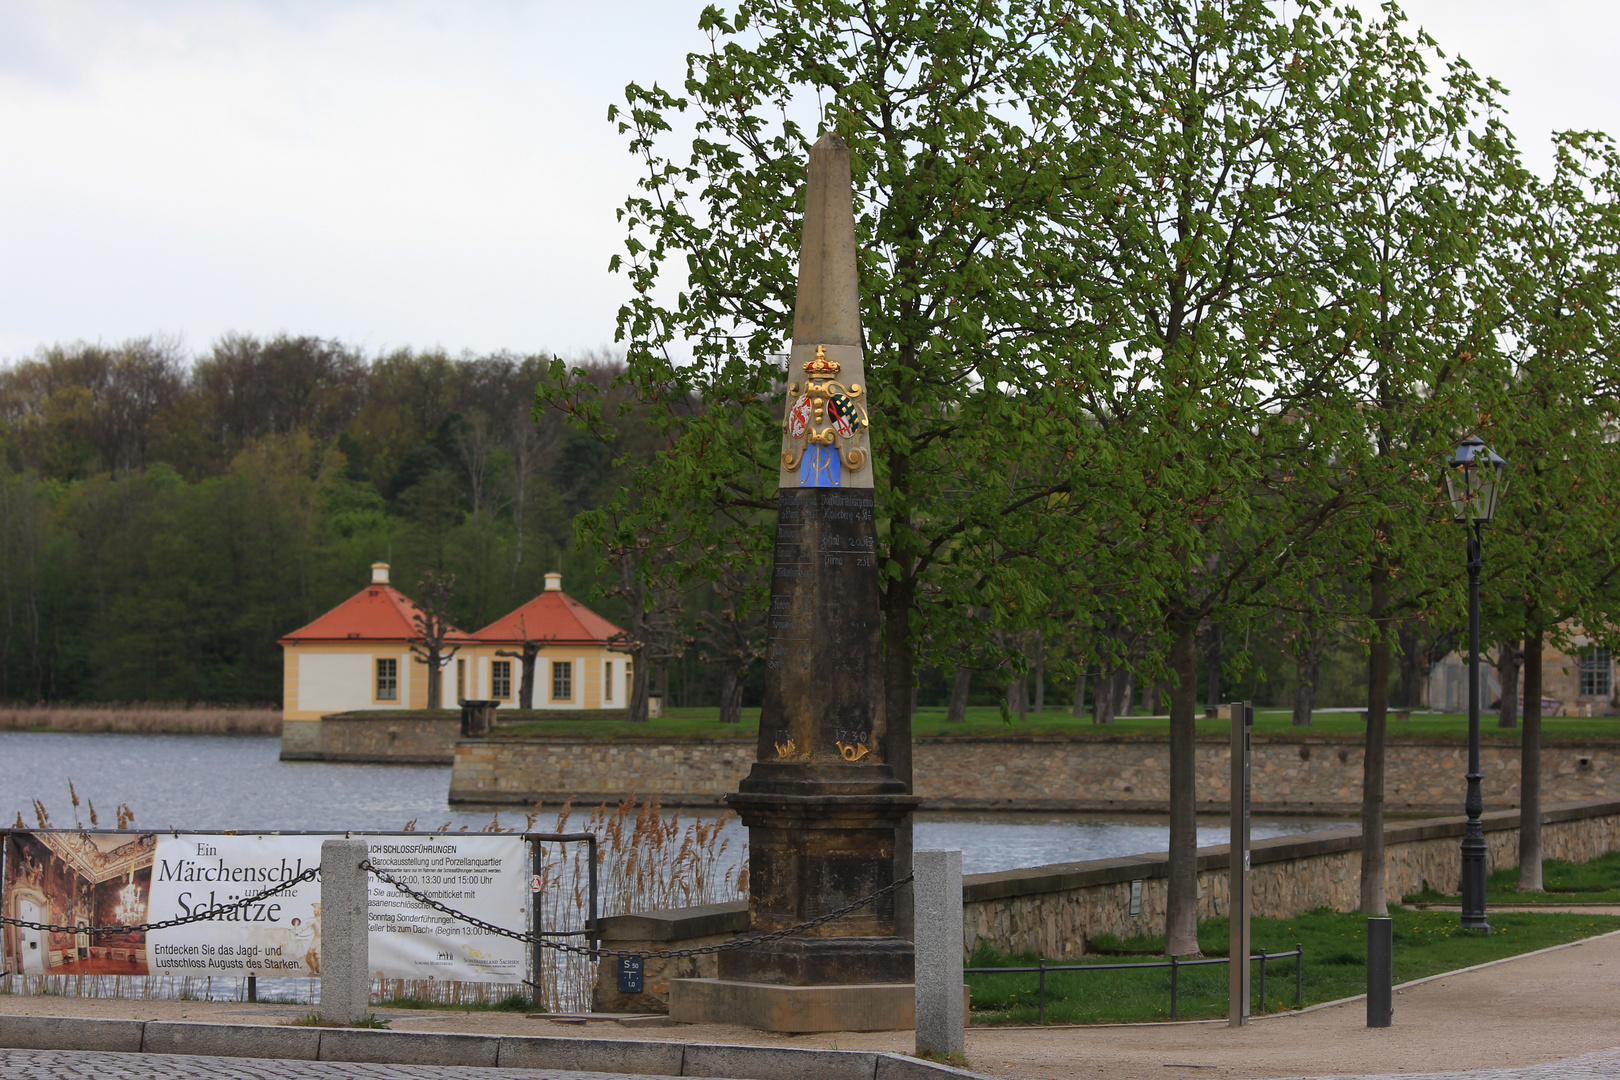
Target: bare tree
(432, 623)
(526, 654)
(732, 637)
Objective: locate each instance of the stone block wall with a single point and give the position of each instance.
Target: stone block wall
(1293, 773)
(426, 737)
(1055, 910)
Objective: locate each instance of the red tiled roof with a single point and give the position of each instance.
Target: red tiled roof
(378, 612)
(553, 616)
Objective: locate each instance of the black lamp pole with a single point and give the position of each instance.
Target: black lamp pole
(1475, 479)
(1473, 844)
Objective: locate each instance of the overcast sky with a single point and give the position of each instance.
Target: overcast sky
(422, 174)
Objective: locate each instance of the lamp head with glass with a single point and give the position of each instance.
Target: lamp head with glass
(1476, 477)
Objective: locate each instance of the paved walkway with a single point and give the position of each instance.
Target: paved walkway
(1556, 1014)
(92, 1065)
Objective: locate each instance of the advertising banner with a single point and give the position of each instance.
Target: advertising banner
(125, 879)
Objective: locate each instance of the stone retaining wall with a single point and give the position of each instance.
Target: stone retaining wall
(403, 737)
(1056, 910)
(1291, 773)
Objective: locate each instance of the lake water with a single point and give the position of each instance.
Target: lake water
(205, 782)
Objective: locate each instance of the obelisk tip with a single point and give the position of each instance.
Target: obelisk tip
(827, 310)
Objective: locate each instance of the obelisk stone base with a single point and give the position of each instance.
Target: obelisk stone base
(793, 1009)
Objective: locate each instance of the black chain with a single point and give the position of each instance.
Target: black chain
(141, 928)
(586, 950)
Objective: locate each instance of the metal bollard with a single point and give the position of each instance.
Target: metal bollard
(937, 902)
(345, 955)
(1380, 971)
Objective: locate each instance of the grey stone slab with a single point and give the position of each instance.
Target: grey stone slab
(407, 1047)
(345, 942)
(778, 1063)
(591, 1055)
(232, 1040)
(70, 1033)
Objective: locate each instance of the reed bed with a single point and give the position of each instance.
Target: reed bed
(645, 861)
(144, 719)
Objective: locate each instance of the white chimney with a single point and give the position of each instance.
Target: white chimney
(379, 573)
(553, 583)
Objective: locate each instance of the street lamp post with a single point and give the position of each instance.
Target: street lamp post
(1474, 481)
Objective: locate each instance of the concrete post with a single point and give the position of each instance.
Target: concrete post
(938, 907)
(345, 956)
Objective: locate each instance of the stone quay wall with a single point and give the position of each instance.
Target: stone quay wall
(1120, 774)
(1056, 910)
(402, 737)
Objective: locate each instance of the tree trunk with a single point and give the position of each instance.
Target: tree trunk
(1102, 698)
(435, 674)
(1040, 673)
(1530, 762)
(1214, 664)
(1373, 899)
(526, 687)
(1305, 688)
(1018, 694)
(731, 695)
(1079, 706)
(956, 708)
(1509, 655)
(1181, 902)
(637, 713)
(1127, 691)
(1409, 694)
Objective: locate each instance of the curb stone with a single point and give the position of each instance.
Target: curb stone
(719, 1061)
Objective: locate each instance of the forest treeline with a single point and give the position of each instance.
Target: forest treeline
(165, 518)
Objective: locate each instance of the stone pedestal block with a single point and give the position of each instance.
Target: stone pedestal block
(773, 1007)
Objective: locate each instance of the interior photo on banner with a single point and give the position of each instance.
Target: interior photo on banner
(128, 880)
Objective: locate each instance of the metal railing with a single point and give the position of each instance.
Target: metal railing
(1175, 964)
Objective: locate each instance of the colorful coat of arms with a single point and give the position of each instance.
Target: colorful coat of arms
(824, 418)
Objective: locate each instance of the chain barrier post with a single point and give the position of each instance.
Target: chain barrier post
(345, 955)
(1380, 971)
(1299, 973)
(534, 926)
(937, 902)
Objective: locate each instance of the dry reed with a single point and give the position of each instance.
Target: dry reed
(144, 719)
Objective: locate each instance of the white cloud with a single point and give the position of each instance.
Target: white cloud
(396, 173)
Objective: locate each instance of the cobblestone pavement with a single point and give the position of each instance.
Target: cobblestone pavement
(96, 1065)
(1604, 1065)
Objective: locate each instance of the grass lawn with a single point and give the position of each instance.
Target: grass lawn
(1595, 882)
(986, 721)
(1426, 943)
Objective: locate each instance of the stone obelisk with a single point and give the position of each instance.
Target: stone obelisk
(820, 804)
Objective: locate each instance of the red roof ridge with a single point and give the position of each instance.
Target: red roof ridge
(378, 612)
(564, 620)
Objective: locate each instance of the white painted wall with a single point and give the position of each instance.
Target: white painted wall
(344, 682)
